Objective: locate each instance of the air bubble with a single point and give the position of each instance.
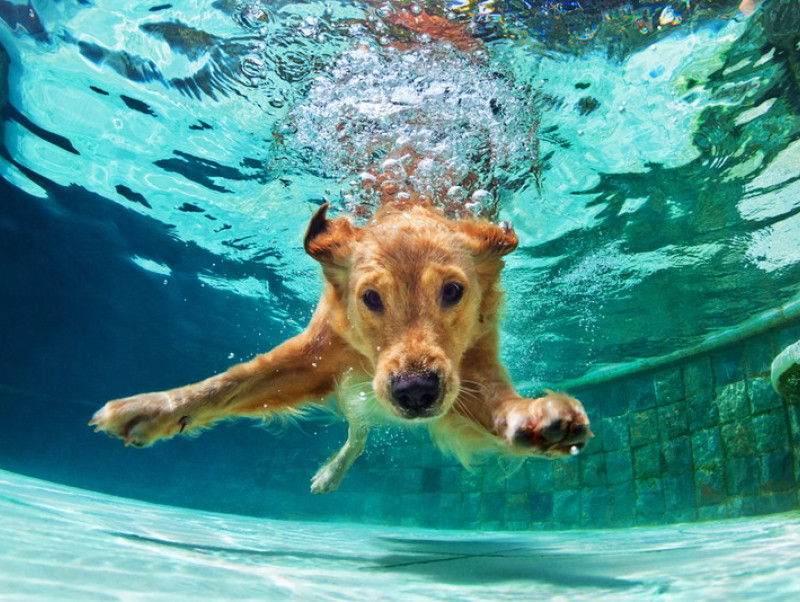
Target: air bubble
(252, 17)
(455, 192)
(253, 67)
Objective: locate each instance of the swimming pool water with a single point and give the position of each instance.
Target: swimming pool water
(69, 544)
(158, 165)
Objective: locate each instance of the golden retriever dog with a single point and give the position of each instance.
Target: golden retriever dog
(406, 331)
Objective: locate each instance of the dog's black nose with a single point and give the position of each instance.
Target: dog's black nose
(415, 392)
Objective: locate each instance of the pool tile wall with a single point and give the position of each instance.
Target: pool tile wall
(704, 438)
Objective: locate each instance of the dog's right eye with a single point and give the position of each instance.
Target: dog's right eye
(372, 300)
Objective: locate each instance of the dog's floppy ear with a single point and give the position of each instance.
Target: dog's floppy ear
(329, 242)
(487, 240)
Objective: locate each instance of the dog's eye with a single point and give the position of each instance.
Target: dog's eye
(372, 300)
(451, 294)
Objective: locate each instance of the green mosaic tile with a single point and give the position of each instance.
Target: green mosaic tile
(741, 506)
(567, 507)
(492, 506)
(431, 480)
(517, 526)
(758, 355)
(540, 507)
(593, 470)
(733, 402)
(728, 366)
(373, 510)
(697, 376)
(778, 502)
(668, 385)
(777, 473)
(649, 497)
(672, 420)
(742, 476)
(716, 512)
(647, 461)
(641, 394)
(710, 485)
(619, 467)
(738, 440)
(413, 480)
(597, 443)
(541, 474)
(762, 396)
(786, 336)
(566, 475)
(621, 500)
(518, 481)
(677, 456)
(681, 515)
(702, 412)
(616, 433)
(679, 491)
(518, 508)
(470, 507)
(771, 431)
(793, 413)
(644, 427)
(613, 401)
(452, 479)
(449, 510)
(707, 447)
(594, 507)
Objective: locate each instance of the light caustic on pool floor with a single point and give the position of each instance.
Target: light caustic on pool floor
(74, 544)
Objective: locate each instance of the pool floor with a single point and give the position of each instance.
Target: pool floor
(62, 543)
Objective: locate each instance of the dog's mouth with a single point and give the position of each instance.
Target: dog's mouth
(417, 395)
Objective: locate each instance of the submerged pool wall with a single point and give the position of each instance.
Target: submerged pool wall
(702, 438)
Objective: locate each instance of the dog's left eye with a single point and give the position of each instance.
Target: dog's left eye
(451, 294)
(372, 300)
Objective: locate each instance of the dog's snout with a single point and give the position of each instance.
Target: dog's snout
(415, 392)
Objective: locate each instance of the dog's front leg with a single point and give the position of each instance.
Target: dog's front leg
(301, 370)
(329, 477)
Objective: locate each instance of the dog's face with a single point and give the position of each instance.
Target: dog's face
(412, 292)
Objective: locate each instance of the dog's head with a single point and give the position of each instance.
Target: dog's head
(412, 292)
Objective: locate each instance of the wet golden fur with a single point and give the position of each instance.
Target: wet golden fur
(386, 318)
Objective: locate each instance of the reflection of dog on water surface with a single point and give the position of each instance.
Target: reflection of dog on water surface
(406, 331)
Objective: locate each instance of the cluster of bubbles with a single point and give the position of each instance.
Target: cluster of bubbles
(430, 122)
(391, 115)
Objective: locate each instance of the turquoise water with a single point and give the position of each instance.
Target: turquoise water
(159, 163)
(69, 544)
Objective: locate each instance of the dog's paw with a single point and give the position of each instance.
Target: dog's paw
(555, 425)
(140, 420)
(328, 478)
